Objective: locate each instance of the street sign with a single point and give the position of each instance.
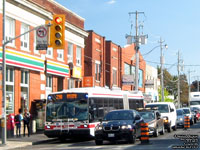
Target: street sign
(41, 38)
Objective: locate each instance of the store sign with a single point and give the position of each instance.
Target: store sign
(76, 72)
(149, 83)
(88, 81)
(128, 79)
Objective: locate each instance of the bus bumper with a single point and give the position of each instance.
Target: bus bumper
(68, 133)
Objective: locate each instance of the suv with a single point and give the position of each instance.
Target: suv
(188, 112)
(168, 112)
(119, 125)
(155, 121)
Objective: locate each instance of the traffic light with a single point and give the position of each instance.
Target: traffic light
(58, 32)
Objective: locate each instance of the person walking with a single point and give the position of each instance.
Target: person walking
(18, 119)
(26, 119)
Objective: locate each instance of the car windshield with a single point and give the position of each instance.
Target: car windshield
(119, 115)
(147, 115)
(179, 112)
(186, 111)
(194, 102)
(163, 108)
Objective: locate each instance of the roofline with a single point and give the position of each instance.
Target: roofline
(61, 6)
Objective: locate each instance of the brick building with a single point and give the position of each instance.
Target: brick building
(95, 63)
(109, 63)
(32, 74)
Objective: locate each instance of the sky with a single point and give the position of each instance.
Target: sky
(177, 22)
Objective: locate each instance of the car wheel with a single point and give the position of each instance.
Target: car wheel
(174, 128)
(163, 131)
(169, 129)
(132, 139)
(155, 133)
(99, 142)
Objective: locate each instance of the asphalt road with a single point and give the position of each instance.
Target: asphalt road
(176, 140)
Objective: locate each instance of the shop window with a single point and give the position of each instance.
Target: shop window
(9, 90)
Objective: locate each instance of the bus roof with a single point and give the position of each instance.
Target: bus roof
(103, 92)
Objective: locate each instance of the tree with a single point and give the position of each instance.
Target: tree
(166, 96)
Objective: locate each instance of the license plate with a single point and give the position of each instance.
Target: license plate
(111, 135)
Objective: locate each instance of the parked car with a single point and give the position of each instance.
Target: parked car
(188, 112)
(119, 125)
(168, 112)
(196, 110)
(155, 121)
(180, 117)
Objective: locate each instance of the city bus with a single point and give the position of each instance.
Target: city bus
(195, 99)
(76, 112)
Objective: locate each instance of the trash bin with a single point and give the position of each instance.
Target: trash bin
(10, 125)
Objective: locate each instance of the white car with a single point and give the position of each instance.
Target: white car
(168, 112)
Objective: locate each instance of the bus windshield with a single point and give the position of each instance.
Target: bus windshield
(163, 108)
(76, 110)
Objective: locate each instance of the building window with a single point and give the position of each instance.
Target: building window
(9, 90)
(97, 40)
(114, 74)
(24, 89)
(25, 37)
(97, 70)
(10, 30)
(49, 84)
(60, 54)
(34, 48)
(114, 49)
(49, 53)
(78, 56)
(70, 52)
(24, 77)
(127, 69)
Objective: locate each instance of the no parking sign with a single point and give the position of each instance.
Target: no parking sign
(41, 38)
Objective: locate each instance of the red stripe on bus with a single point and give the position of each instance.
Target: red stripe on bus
(87, 126)
(106, 94)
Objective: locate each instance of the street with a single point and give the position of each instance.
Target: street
(180, 139)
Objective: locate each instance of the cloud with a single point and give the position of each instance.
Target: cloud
(111, 2)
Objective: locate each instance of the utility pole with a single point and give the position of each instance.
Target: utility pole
(136, 48)
(178, 69)
(189, 85)
(161, 69)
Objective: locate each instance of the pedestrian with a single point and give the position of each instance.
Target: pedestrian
(18, 119)
(26, 119)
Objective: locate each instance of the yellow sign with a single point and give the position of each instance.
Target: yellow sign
(59, 96)
(76, 72)
(71, 96)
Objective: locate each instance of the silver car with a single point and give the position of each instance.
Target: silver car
(180, 117)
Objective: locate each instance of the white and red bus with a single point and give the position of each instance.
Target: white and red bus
(76, 112)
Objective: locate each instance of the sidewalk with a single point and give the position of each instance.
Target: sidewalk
(16, 142)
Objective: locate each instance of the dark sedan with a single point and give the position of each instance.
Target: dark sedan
(119, 125)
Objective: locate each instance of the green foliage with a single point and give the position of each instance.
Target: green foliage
(166, 94)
